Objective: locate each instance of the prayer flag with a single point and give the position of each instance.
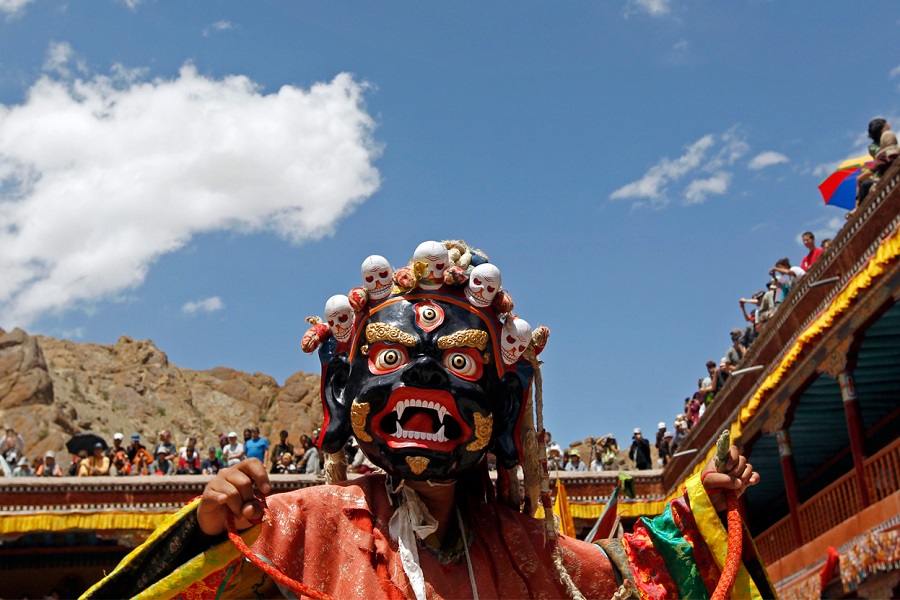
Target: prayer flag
(603, 528)
(627, 483)
(561, 510)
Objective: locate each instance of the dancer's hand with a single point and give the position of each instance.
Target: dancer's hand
(234, 490)
(738, 476)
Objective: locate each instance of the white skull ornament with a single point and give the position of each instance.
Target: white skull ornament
(484, 283)
(436, 259)
(340, 317)
(514, 340)
(377, 276)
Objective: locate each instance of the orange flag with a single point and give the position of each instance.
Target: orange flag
(561, 510)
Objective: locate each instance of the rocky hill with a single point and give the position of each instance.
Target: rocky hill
(52, 389)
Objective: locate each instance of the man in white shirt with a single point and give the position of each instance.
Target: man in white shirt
(233, 450)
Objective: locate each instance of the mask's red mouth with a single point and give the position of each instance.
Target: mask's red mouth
(419, 418)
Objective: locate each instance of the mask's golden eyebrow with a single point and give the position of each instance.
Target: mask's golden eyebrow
(382, 332)
(473, 338)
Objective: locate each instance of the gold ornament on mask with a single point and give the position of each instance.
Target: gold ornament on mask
(358, 414)
(484, 426)
(382, 332)
(417, 464)
(471, 338)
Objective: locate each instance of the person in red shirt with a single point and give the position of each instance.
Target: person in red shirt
(189, 464)
(809, 240)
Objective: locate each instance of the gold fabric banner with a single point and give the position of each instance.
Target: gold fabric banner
(99, 521)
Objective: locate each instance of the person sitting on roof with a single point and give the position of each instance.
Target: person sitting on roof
(189, 464)
(12, 445)
(640, 451)
(162, 465)
(735, 352)
(49, 467)
(285, 464)
(877, 126)
(809, 240)
(665, 448)
(785, 279)
(120, 466)
(23, 468)
(575, 462)
(870, 174)
(95, 465)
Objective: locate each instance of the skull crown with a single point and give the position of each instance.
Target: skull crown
(450, 266)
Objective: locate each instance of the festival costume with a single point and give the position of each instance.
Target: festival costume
(429, 369)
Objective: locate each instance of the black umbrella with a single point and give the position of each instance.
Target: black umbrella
(85, 441)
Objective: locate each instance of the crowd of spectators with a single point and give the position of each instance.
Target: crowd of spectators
(165, 458)
(763, 305)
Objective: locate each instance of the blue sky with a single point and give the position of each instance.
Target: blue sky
(207, 175)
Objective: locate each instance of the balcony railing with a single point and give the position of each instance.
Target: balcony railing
(830, 507)
(833, 505)
(776, 541)
(883, 472)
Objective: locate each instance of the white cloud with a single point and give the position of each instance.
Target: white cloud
(132, 4)
(13, 7)
(894, 72)
(654, 8)
(698, 189)
(217, 26)
(681, 45)
(59, 57)
(766, 159)
(207, 305)
(733, 149)
(652, 185)
(100, 177)
(705, 165)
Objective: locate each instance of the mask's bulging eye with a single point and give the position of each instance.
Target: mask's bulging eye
(429, 315)
(464, 362)
(387, 358)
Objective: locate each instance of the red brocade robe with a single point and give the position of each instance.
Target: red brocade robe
(334, 539)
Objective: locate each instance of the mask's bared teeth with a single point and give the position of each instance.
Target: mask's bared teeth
(401, 406)
(400, 434)
(439, 436)
(442, 412)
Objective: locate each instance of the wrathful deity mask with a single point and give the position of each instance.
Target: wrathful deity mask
(424, 373)
(423, 404)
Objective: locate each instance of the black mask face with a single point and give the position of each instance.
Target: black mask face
(421, 390)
